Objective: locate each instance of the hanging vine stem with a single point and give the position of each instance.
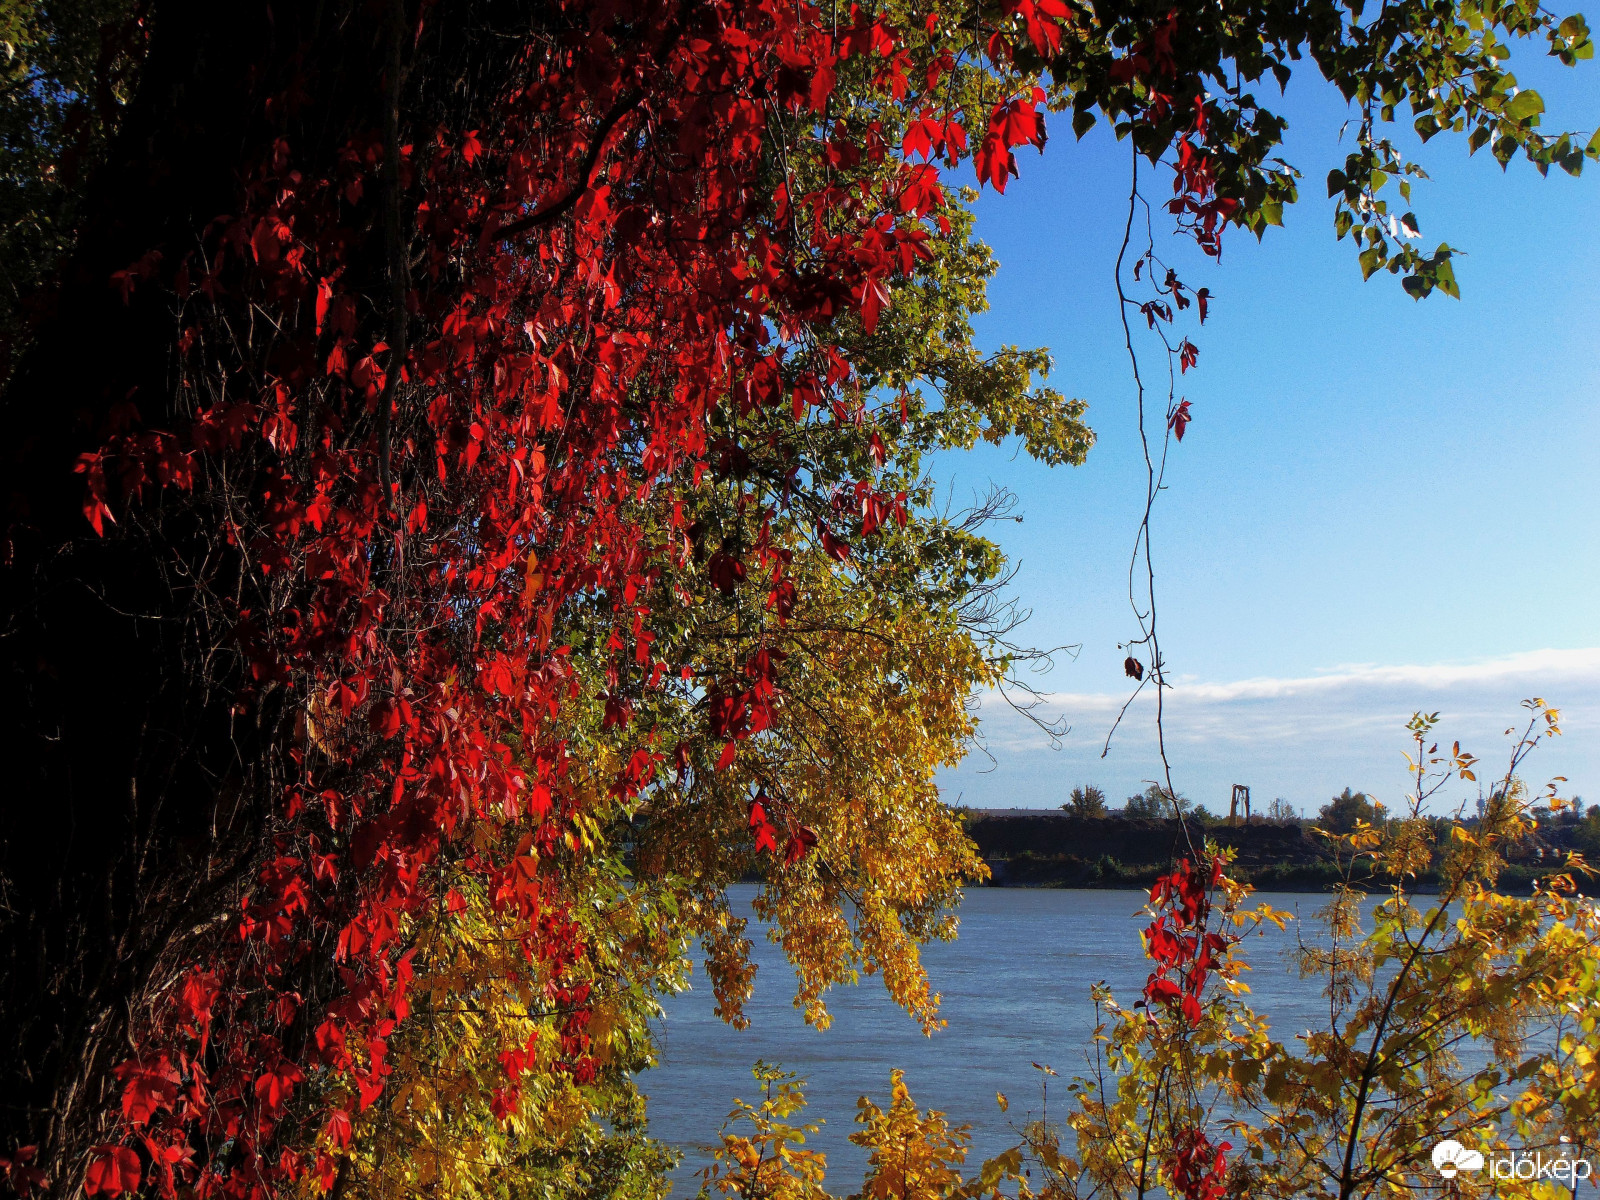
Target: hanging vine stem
(1195, 1165)
(1144, 605)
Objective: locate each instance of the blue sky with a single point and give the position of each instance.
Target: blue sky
(1382, 505)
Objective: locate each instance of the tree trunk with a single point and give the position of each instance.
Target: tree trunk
(135, 793)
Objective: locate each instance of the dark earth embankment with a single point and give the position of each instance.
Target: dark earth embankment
(1051, 849)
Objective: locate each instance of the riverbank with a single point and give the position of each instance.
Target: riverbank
(1050, 849)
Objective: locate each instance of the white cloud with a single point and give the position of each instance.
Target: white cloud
(1303, 738)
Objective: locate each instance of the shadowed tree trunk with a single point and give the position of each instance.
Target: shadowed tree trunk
(134, 793)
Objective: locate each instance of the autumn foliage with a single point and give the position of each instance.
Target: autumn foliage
(503, 480)
(435, 405)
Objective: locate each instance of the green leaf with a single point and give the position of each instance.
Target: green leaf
(1445, 276)
(1336, 182)
(1525, 105)
(1278, 1087)
(1082, 122)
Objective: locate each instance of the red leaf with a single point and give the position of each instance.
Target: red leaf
(874, 299)
(274, 1088)
(268, 239)
(835, 548)
(94, 504)
(338, 1129)
(822, 81)
(385, 718)
(112, 1171)
(539, 801)
(594, 205)
(23, 1178)
(799, 844)
(324, 298)
(497, 678)
(992, 161)
(726, 572)
(198, 995)
(147, 1087)
(1179, 420)
(761, 826)
(1160, 991)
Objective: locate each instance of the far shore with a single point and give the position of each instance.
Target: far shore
(1047, 848)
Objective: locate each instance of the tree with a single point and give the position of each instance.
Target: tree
(1588, 833)
(878, 664)
(912, 1155)
(343, 731)
(1346, 810)
(1282, 811)
(1086, 801)
(1155, 803)
(427, 355)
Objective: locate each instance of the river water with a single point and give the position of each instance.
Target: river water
(1015, 989)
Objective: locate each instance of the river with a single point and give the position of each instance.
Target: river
(1015, 989)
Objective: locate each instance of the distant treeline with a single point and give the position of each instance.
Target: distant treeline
(1052, 848)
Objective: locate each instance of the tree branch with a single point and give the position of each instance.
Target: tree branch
(550, 212)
